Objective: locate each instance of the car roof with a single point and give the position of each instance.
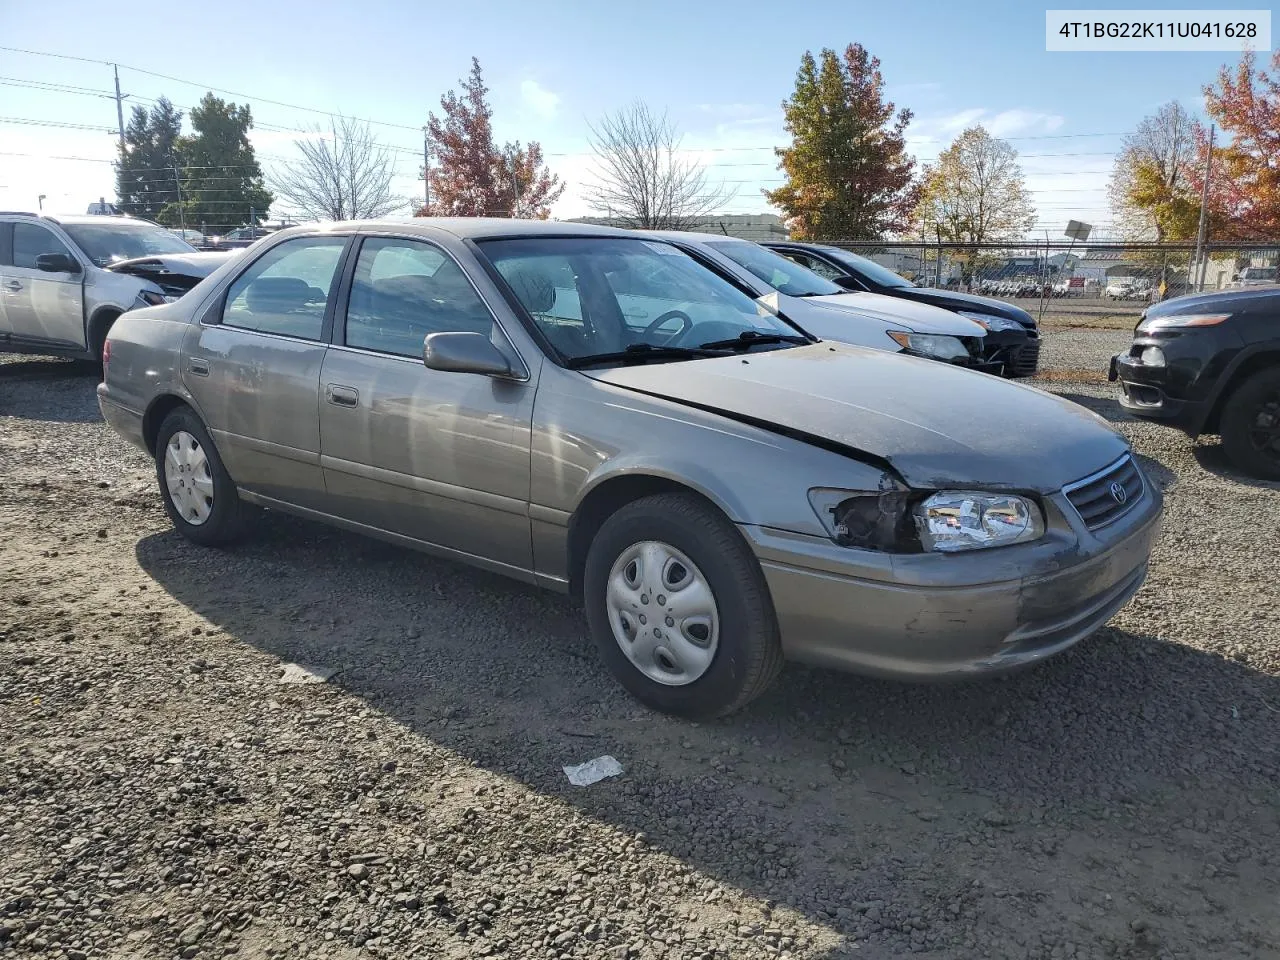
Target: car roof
(689, 235)
(101, 218)
(466, 228)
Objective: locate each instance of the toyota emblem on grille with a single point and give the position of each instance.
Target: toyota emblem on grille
(1118, 493)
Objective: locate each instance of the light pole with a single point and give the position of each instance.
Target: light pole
(40, 200)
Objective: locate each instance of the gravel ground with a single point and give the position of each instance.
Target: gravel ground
(163, 795)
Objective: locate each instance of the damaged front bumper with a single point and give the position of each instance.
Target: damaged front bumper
(933, 616)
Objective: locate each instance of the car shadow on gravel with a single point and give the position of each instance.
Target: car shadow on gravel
(67, 389)
(1213, 458)
(1107, 407)
(829, 793)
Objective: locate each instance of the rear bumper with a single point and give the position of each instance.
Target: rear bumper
(126, 422)
(937, 631)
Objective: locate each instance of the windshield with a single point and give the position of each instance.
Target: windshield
(1258, 273)
(593, 296)
(877, 274)
(105, 243)
(785, 276)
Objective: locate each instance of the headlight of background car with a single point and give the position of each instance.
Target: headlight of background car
(954, 520)
(930, 345)
(1150, 324)
(153, 299)
(993, 323)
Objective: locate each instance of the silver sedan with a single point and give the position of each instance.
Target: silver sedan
(595, 412)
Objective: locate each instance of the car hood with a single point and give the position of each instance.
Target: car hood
(173, 272)
(1220, 301)
(955, 300)
(938, 426)
(917, 317)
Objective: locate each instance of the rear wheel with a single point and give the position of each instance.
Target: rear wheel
(199, 495)
(1250, 425)
(679, 608)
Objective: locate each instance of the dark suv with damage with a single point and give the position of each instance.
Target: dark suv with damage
(1210, 364)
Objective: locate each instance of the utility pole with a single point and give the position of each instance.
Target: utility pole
(182, 213)
(119, 106)
(937, 269)
(426, 173)
(1204, 204)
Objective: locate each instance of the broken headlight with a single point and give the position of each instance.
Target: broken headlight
(868, 519)
(953, 520)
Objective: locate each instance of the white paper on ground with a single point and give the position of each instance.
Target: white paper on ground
(593, 771)
(305, 673)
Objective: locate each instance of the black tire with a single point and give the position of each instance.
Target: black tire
(225, 522)
(749, 651)
(1254, 401)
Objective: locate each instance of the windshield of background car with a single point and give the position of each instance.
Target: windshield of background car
(873, 271)
(598, 295)
(785, 276)
(105, 243)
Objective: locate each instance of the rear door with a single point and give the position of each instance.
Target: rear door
(42, 307)
(440, 457)
(253, 366)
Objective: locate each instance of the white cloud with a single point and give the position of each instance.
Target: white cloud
(1009, 123)
(540, 100)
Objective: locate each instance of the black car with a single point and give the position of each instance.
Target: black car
(1013, 337)
(1209, 363)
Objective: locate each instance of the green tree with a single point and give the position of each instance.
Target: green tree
(222, 184)
(849, 175)
(146, 181)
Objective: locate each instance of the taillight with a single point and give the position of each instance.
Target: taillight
(106, 355)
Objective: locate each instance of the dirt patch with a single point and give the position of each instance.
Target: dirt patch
(163, 795)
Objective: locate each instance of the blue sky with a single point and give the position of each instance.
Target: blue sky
(721, 69)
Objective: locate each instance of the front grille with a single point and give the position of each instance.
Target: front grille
(1025, 360)
(1095, 497)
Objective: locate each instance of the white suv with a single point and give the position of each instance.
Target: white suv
(63, 281)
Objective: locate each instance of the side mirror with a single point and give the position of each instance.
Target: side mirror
(459, 352)
(848, 283)
(57, 263)
(1235, 276)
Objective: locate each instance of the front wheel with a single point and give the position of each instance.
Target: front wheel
(199, 495)
(679, 608)
(1250, 425)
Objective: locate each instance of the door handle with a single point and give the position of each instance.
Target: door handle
(12, 285)
(341, 396)
(199, 367)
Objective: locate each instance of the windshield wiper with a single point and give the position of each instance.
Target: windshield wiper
(750, 338)
(643, 352)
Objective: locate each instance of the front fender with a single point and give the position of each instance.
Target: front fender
(1226, 381)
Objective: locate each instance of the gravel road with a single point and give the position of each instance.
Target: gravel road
(163, 794)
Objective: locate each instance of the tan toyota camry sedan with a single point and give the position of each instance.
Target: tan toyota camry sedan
(596, 412)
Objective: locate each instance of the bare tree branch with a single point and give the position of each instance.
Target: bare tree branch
(643, 181)
(343, 176)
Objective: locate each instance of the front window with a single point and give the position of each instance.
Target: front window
(105, 243)
(876, 273)
(785, 276)
(595, 296)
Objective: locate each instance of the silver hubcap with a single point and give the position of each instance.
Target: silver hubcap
(186, 473)
(663, 613)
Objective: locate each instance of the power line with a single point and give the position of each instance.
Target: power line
(206, 86)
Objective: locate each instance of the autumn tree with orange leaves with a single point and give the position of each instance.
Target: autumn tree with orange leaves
(1244, 192)
(473, 177)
